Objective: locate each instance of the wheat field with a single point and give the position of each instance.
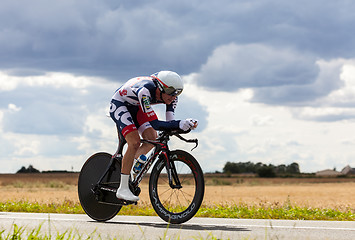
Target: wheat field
(315, 193)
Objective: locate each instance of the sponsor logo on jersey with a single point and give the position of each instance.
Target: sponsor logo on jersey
(146, 103)
(123, 92)
(151, 114)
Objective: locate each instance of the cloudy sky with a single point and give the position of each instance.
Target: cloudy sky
(270, 81)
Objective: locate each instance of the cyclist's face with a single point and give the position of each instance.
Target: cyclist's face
(168, 99)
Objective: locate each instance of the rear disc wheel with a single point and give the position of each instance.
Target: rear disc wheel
(90, 174)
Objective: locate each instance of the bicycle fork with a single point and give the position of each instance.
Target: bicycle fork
(171, 171)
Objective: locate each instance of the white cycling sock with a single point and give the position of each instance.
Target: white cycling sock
(123, 192)
(124, 181)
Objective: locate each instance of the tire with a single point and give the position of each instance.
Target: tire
(90, 174)
(177, 205)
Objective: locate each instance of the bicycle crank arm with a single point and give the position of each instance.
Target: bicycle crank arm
(107, 195)
(119, 202)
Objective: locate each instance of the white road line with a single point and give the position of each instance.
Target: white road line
(51, 218)
(301, 227)
(43, 218)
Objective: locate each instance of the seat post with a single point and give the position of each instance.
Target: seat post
(118, 155)
(121, 142)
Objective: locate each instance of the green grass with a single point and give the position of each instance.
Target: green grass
(20, 232)
(24, 206)
(292, 212)
(241, 210)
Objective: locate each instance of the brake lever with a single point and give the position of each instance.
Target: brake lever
(188, 140)
(196, 142)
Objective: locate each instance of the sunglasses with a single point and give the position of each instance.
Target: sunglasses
(172, 91)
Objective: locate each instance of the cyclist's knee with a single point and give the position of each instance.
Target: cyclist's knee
(133, 140)
(134, 144)
(150, 134)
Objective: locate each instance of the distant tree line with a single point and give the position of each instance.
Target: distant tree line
(30, 169)
(263, 170)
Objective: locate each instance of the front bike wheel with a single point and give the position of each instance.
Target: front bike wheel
(90, 174)
(177, 204)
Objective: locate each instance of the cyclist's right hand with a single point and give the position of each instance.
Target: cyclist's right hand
(188, 124)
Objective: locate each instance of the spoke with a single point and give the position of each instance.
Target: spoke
(178, 199)
(168, 200)
(163, 180)
(179, 170)
(167, 190)
(184, 193)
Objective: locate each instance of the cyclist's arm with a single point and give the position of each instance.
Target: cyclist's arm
(170, 110)
(144, 99)
(165, 125)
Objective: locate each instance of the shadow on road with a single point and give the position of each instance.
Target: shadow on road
(184, 226)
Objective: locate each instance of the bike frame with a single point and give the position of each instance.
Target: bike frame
(161, 150)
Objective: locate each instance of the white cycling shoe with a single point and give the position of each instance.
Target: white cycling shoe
(123, 192)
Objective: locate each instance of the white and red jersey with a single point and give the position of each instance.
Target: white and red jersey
(141, 91)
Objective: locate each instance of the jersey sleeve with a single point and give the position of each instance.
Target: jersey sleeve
(144, 99)
(165, 125)
(170, 110)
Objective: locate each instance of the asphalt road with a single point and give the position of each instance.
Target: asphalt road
(137, 227)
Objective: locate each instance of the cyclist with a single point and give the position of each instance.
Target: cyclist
(132, 112)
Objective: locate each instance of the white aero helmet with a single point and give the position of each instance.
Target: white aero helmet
(169, 82)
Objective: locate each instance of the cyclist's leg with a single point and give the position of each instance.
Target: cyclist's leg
(124, 121)
(146, 131)
(133, 143)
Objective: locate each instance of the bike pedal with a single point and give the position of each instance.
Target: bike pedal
(131, 203)
(126, 202)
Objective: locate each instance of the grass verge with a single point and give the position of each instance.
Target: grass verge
(241, 210)
(21, 233)
(287, 213)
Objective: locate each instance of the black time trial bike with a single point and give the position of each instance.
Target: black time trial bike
(176, 182)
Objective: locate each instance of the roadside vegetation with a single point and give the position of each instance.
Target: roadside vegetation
(241, 210)
(22, 233)
(44, 186)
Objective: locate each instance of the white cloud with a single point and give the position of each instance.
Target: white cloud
(324, 113)
(330, 97)
(233, 66)
(242, 130)
(51, 117)
(345, 96)
(56, 80)
(6, 83)
(258, 120)
(338, 104)
(61, 115)
(13, 108)
(232, 129)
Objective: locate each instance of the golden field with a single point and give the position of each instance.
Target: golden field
(336, 193)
